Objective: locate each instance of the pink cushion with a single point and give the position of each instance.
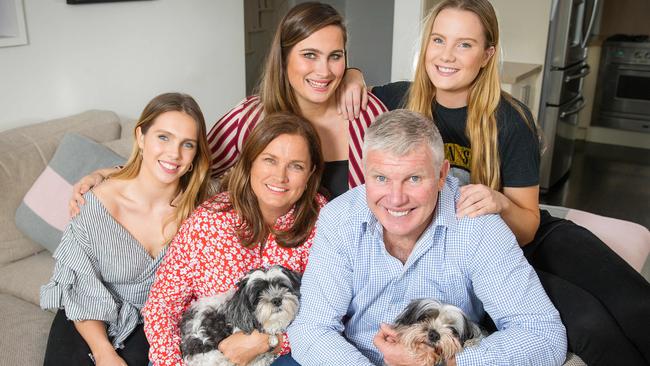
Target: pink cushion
(629, 240)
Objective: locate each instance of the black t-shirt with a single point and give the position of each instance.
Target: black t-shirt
(335, 178)
(517, 142)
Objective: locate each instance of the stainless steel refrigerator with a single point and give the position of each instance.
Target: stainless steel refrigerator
(566, 67)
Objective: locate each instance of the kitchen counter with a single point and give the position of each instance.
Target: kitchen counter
(514, 72)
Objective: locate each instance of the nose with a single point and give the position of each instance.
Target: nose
(276, 301)
(433, 336)
(322, 67)
(397, 197)
(447, 54)
(280, 172)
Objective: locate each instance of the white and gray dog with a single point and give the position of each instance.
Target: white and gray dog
(434, 332)
(266, 300)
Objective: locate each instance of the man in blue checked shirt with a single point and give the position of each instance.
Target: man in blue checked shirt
(396, 239)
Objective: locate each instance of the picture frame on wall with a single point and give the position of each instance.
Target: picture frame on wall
(13, 31)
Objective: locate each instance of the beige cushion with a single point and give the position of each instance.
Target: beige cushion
(24, 278)
(25, 328)
(24, 153)
(121, 147)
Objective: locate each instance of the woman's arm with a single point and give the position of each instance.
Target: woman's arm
(518, 207)
(352, 94)
(94, 333)
(168, 297)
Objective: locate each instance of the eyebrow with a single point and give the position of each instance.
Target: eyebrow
(319, 51)
(459, 39)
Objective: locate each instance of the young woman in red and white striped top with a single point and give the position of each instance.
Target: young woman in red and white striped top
(303, 70)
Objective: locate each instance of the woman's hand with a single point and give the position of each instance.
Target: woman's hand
(83, 186)
(478, 199)
(352, 94)
(109, 358)
(241, 348)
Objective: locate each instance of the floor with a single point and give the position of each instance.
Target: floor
(608, 180)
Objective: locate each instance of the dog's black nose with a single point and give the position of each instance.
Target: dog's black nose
(433, 336)
(277, 301)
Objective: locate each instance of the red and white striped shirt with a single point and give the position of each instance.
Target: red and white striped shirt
(227, 136)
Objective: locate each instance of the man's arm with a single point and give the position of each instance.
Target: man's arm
(326, 292)
(530, 330)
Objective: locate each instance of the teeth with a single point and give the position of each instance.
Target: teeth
(446, 69)
(276, 189)
(168, 165)
(398, 213)
(317, 84)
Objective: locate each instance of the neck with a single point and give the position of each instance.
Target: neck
(452, 99)
(151, 192)
(315, 111)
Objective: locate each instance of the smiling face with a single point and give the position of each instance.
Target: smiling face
(168, 147)
(455, 54)
(279, 175)
(402, 191)
(316, 65)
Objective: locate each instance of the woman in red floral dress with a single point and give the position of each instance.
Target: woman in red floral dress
(265, 215)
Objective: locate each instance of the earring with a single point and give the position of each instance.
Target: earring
(140, 153)
(191, 167)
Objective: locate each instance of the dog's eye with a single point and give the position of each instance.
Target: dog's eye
(454, 331)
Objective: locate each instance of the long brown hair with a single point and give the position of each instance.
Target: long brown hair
(237, 183)
(484, 93)
(193, 186)
(299, 23)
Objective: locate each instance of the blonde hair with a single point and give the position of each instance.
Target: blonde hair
(484, 93)
(193, 186)
(253, 229)
(275, 91)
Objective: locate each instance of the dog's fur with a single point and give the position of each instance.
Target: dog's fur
(434, 332)
(266, 300)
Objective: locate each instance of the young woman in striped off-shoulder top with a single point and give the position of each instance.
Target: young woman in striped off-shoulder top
(110, 251)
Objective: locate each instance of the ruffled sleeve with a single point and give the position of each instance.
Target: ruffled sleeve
(76, 285)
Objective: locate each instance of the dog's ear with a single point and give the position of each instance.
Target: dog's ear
(293, 276)
(240, 310)
(409, 315)
(470, 331)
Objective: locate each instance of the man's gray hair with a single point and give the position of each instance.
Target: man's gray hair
(401, 131)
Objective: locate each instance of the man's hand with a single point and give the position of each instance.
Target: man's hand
(241, 348)
(395, 353)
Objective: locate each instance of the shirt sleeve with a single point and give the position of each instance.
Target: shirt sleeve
(530, 331)
(76, 284)
(393, 95)
(169, 296)
(518, 147)
(326, 291)
(225, 137)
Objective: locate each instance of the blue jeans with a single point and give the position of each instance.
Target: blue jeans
(285, 360)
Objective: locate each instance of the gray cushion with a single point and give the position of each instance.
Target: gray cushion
(43, 213)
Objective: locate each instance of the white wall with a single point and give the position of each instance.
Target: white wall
(117, 56)
(406, 35)
(370, 34)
